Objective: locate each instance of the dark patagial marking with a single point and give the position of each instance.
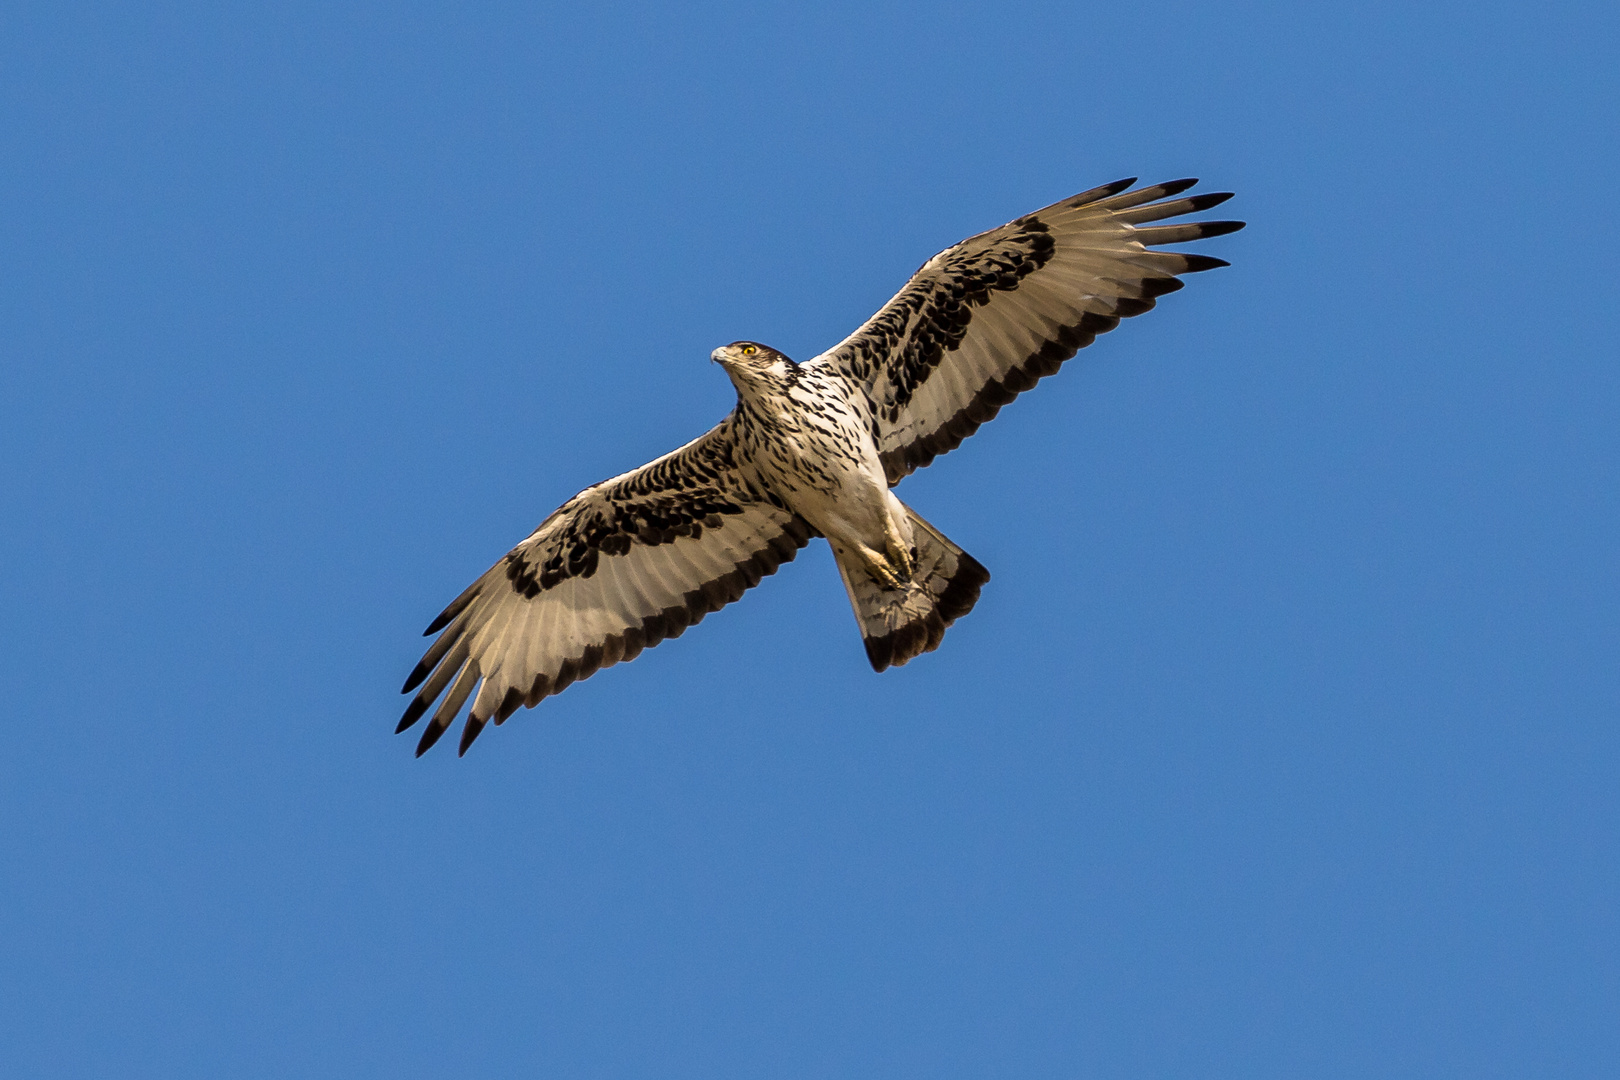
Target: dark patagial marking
(612, 530)
(931, 316)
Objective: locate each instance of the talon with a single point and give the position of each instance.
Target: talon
(900, 563)
(884, 576)
(880, 569)
(900, 555)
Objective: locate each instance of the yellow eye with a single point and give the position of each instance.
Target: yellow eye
(749, 350)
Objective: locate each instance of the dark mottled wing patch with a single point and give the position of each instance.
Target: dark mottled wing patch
(618, 568)
(982, 321)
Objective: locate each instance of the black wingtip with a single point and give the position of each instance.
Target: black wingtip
(1116, 187)
(1155, 287)
(469, 733)
(1103, 192)
(430, 736)
(437, 624)
(1197, 264)
(1176, 187)
(413, 713)
(1220, 228)
(418, 673)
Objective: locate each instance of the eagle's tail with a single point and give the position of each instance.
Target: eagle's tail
(900, 623)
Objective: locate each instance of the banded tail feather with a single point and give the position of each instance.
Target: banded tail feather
(899, 625)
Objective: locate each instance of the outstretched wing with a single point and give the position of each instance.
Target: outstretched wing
(980, 322)
(616, 569)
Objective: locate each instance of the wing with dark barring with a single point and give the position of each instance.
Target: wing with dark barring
(616, 569)
(983, 320)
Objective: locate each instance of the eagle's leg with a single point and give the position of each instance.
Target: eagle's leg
(880, 567)
(891, 568)
(898, 549)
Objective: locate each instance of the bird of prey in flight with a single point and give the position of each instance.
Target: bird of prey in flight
(813, 449)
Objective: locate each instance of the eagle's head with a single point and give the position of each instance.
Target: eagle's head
(753, 366)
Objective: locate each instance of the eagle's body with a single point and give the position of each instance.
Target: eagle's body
(806, 434)
(812, 449)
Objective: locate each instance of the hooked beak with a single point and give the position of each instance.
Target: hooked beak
(720, 356)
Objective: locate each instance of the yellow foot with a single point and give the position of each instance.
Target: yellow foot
(881, 571)
(899, 551)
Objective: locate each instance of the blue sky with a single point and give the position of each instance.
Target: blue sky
(1282, 743)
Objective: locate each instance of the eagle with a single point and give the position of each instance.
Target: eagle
(813, 449)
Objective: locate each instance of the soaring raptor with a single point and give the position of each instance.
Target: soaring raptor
(813, 449)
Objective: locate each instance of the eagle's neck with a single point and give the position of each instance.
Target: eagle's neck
(766, 393)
